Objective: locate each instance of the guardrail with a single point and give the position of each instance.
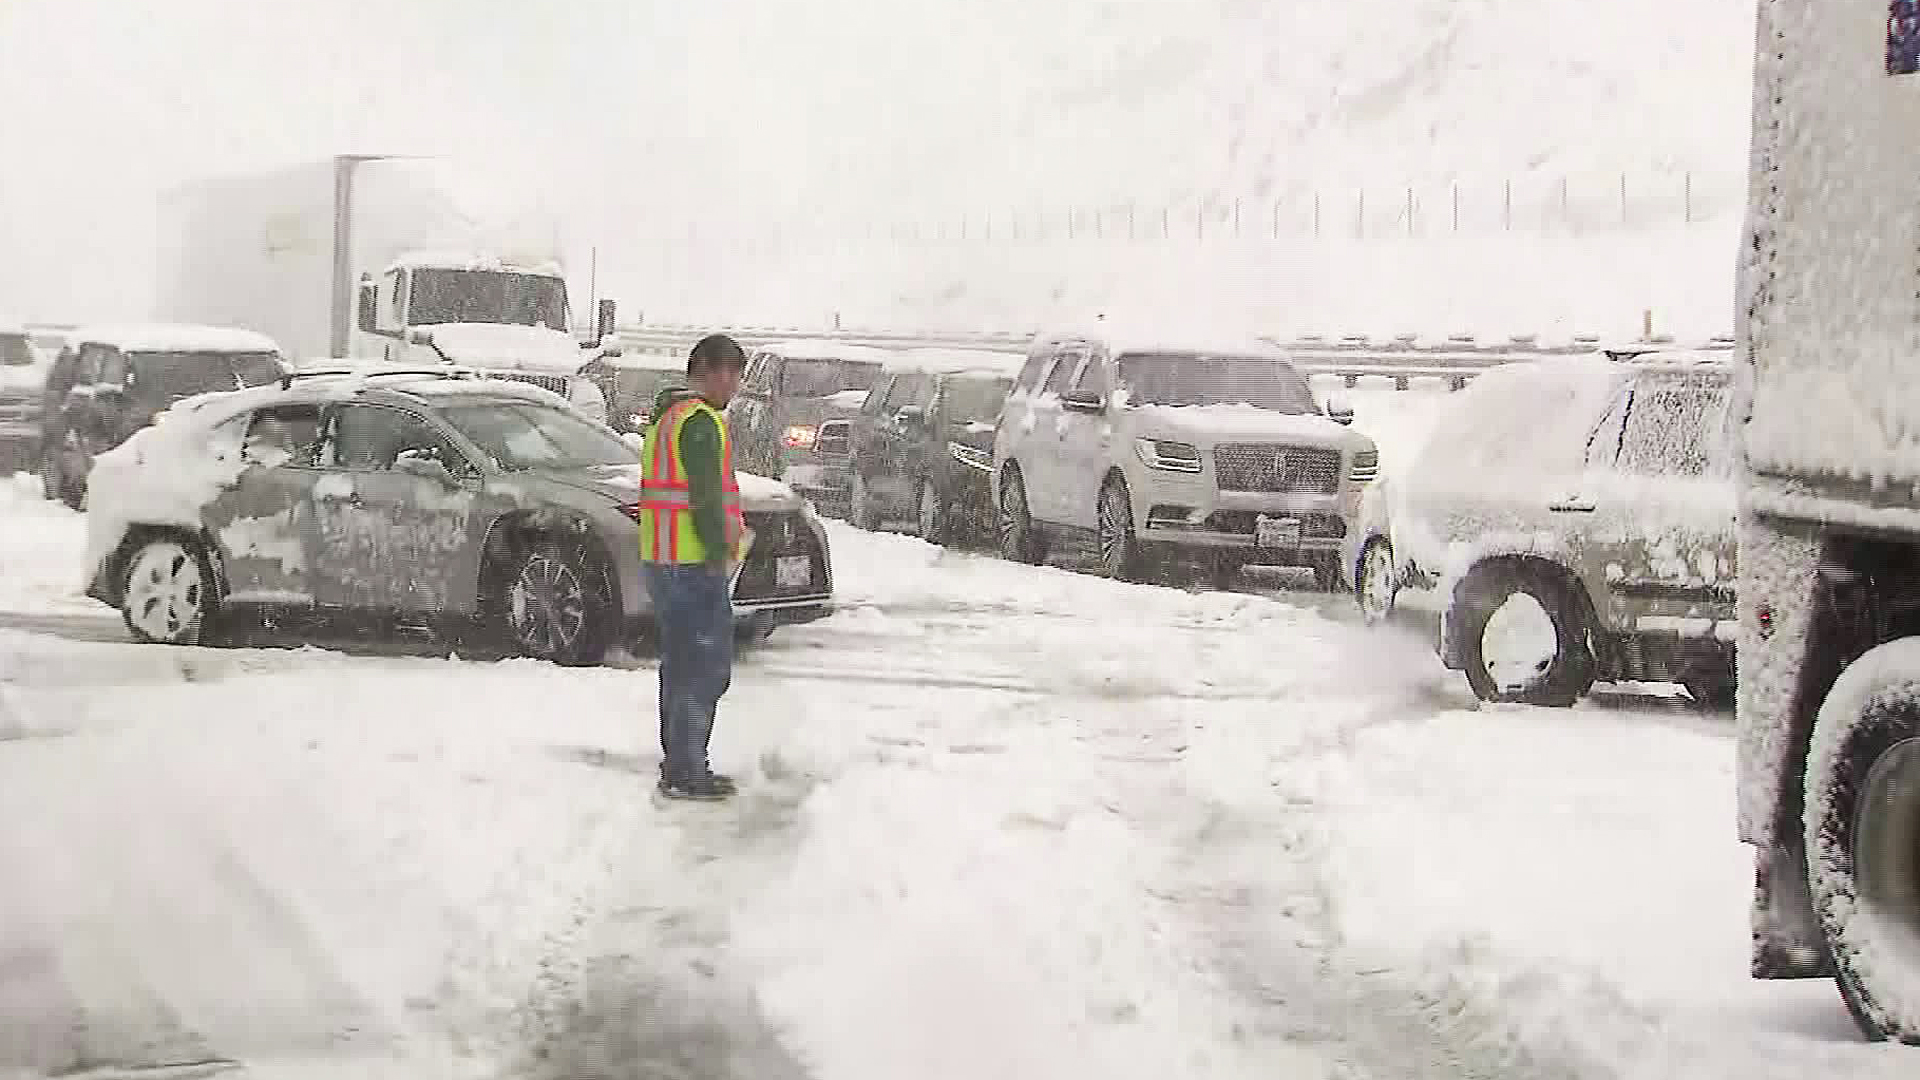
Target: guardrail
(1456, 359)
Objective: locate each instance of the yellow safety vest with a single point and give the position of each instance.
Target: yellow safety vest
(667, 534)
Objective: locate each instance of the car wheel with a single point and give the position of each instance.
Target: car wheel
(1523, 637)
(1224, 571)
(931, 520)
(1019, 540)
(50, 485)
(860, 508)
(555, 608)
(753, 631)
(1863, 836)
(1375, 588)
(1120, 555)
(1711, 689)
(167, 596)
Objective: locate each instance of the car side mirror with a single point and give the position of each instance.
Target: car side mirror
(1083, 401)
(1339, 410)
(369, 299)
(424, 464)
(419, 336)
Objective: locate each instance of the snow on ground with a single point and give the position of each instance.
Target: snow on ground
(999, 820)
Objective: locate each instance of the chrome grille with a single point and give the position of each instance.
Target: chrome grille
(1266, 467)
(832, 441)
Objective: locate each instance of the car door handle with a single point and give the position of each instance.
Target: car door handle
(1572, 506)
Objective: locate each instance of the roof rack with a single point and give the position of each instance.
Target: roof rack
(286, 378)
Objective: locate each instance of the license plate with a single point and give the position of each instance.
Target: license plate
(1276, 532)
(792, 572)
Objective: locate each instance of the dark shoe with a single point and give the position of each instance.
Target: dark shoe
(700, 788)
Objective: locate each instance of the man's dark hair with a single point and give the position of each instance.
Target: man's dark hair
(713, 351)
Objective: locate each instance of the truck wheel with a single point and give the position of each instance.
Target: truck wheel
(1375, 589)
(167, 596)
(1537, 653)
(1120, 554)
(1019, 540)
(1863, 837)
(553, 607)
(931, 516)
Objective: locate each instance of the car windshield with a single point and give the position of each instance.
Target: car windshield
(487, 296)
(1199, 379)
(976, 401)
(525, 435)
(15, 351)
(186, 373)
(642, 385)
(825, 378)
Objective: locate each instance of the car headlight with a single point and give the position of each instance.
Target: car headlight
(1366, 466)
(971, 456)
(801, 436)
(1170, 456)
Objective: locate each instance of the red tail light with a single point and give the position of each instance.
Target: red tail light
(801, 436)
(632, 511)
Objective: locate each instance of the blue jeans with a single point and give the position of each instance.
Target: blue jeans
(694, 613)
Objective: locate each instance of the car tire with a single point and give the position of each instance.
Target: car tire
(553, 605)
(167, 592)
(860, 508)
(1713, 689)
(1375, 584)
(1223, 571)
(1121, 557)
(1019, 540)
(931, 519)
(752, 631)
(1862, 826)
(1566, 675)
(1326, 573)
(50, 485)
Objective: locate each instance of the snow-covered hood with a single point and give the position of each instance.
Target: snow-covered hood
(24, 378)
(503, 345)
(621, 483)
(1238, 422)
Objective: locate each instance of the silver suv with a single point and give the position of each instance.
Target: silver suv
(1573, 520)
(1150, 446)
(478, 507)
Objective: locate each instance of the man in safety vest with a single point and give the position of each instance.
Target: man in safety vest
(692, 535)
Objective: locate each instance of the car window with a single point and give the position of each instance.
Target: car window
(113, 368)
(525, 435)
(825, 378)
(1603, 443)
(1675, 428)
(876, 399)
(372, 438)
(907, 390)
(184, 373)
(90, 360)
(1035, 366)
(759, 376)
(1092, 377)
(1065, 367)
(285, 435)
(1202, 379)
(974, 400)
(16, 351)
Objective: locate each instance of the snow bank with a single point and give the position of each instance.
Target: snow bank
(39, 545)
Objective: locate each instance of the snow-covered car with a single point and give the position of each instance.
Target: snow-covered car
(124, 376)
(630, 381)
(23, 374)
(923, 443)
(795, 408)
(477, 507)
(1575, 520)
(1147, 442)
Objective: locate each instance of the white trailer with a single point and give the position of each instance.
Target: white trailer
(407, 259)
(1829, 650)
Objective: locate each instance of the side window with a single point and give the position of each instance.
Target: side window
(372, 438)
(908, 390)
(1675, 428)
(759, 376)
(113, 368)
(90, 363)
(388, 306)
(876, 399)
(1065, 369)
(287, 435)
(1036, 366)
(1093, 376)
(1603, 443)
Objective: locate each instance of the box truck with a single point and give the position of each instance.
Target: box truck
(1829, 417)
(414, 260)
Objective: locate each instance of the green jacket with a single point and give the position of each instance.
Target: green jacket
(700, 453)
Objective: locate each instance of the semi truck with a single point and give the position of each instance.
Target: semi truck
(1828, 412)
(409, 259)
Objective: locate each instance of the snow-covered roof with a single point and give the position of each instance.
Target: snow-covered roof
(470, 260)
(959, 361)
(823, 349)
(175, 337)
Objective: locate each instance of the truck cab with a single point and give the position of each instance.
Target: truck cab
(1829, 428)
(484, 313)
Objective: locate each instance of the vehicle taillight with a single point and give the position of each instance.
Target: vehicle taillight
(1763, 615)
(801, 436)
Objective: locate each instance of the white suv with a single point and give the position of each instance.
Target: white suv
(1151, 446)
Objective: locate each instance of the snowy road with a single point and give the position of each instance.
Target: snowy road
(999, 821)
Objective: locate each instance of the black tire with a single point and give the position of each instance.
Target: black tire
(1863, 836)
(1376, 588)
(1121, 556)
(1223, 571)
(1711, 689)
(860, 508)
(752, 631)
(553, 603)
(1326, 573)
(168, 592)
(931, 519)
(1566, 676)
(1019, 540)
